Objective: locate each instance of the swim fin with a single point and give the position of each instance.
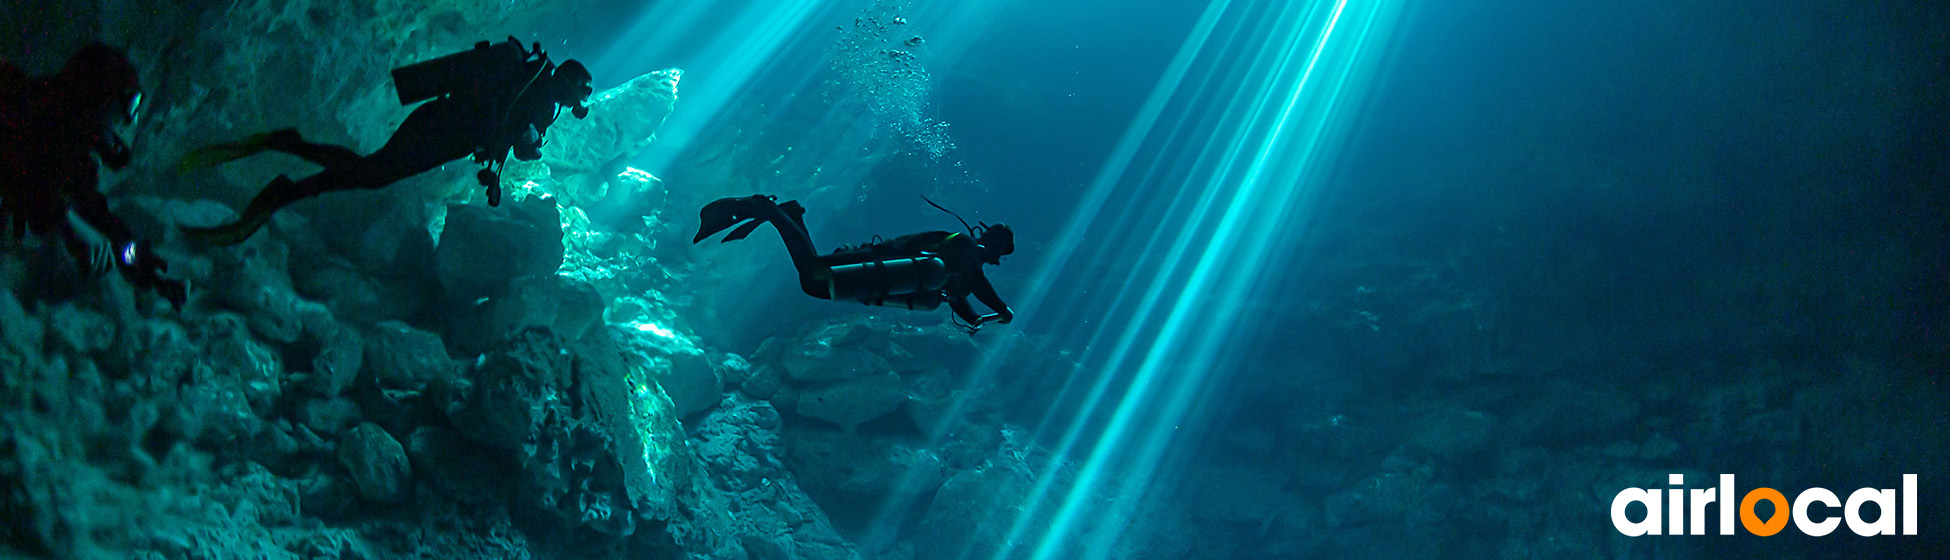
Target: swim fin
(723, 213)
(219, 154)
(253, 218)
(743, 231)
(227, 234)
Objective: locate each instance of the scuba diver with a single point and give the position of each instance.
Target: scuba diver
(918, 271)
(52, 133)
(486, 102)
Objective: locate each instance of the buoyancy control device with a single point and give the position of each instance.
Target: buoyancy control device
(913, 283)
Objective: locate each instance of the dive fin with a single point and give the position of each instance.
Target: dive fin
(227, 234)
(723, 213)
(219, 154)
(742, 231)
(715, 217)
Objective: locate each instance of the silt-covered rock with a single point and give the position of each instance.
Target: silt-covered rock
(377, 463)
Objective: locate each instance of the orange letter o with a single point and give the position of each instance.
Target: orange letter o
(1752, 522)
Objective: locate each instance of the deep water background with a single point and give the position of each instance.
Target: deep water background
(1562, 249)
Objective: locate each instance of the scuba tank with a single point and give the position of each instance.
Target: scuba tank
(887, 280)
(421, 81)
(918, 301)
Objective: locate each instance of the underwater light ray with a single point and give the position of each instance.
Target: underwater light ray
(1260, 237)
(1229, 265)
(756, 36)
(1176, 320)
(624, 58)
(1066, 244)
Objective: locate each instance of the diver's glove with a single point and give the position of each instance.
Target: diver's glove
(144, 268)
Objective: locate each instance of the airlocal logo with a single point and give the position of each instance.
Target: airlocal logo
(1676, 513)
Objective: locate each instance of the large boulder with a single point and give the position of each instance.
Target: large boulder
(853, 477)
(483, 248)
(855, 402)
(401, 357)
(596, 441)
(377, 463)
(837, 352)
(569, 307)
(972, 513)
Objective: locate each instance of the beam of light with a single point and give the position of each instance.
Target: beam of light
(722, 65)
(1248, 117)
(951, 28)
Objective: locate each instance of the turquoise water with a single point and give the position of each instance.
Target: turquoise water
(1291, 279)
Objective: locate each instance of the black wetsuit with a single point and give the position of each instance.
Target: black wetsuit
(52, 132)
(958, 252)
(467, 122)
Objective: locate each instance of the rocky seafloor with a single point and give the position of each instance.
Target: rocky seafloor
(410, 373)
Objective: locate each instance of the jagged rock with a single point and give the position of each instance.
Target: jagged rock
(972, 513)
(399, 356)
(693, 383)
(852, 476)
(855, 402)
(78, 330)
(327, 495)
(732, 368)
(212, 413)
(236, 362)
(24, 334)
(737, 445)
(931, 396)
(156, 353)
(482, 249)
(635, 199)
(341, 352)
(763, 383)
(622, 121)
(623, 400)
(328, 416)
(837, 352)
(684, 372)
(352, 293)
(505, 398)
(377, 463)
(740, 444)
(447, 461)
(595, 440)
(567, 306)
(928, 348)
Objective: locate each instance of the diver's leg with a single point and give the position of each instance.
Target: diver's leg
(279, 193)
(430, 137)
(289, 141)
(723, 213)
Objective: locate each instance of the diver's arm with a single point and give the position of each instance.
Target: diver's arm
(986, 293)
(967, 313)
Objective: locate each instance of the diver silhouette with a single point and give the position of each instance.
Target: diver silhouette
(918, 271)
(52, 132)
(485, 102)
